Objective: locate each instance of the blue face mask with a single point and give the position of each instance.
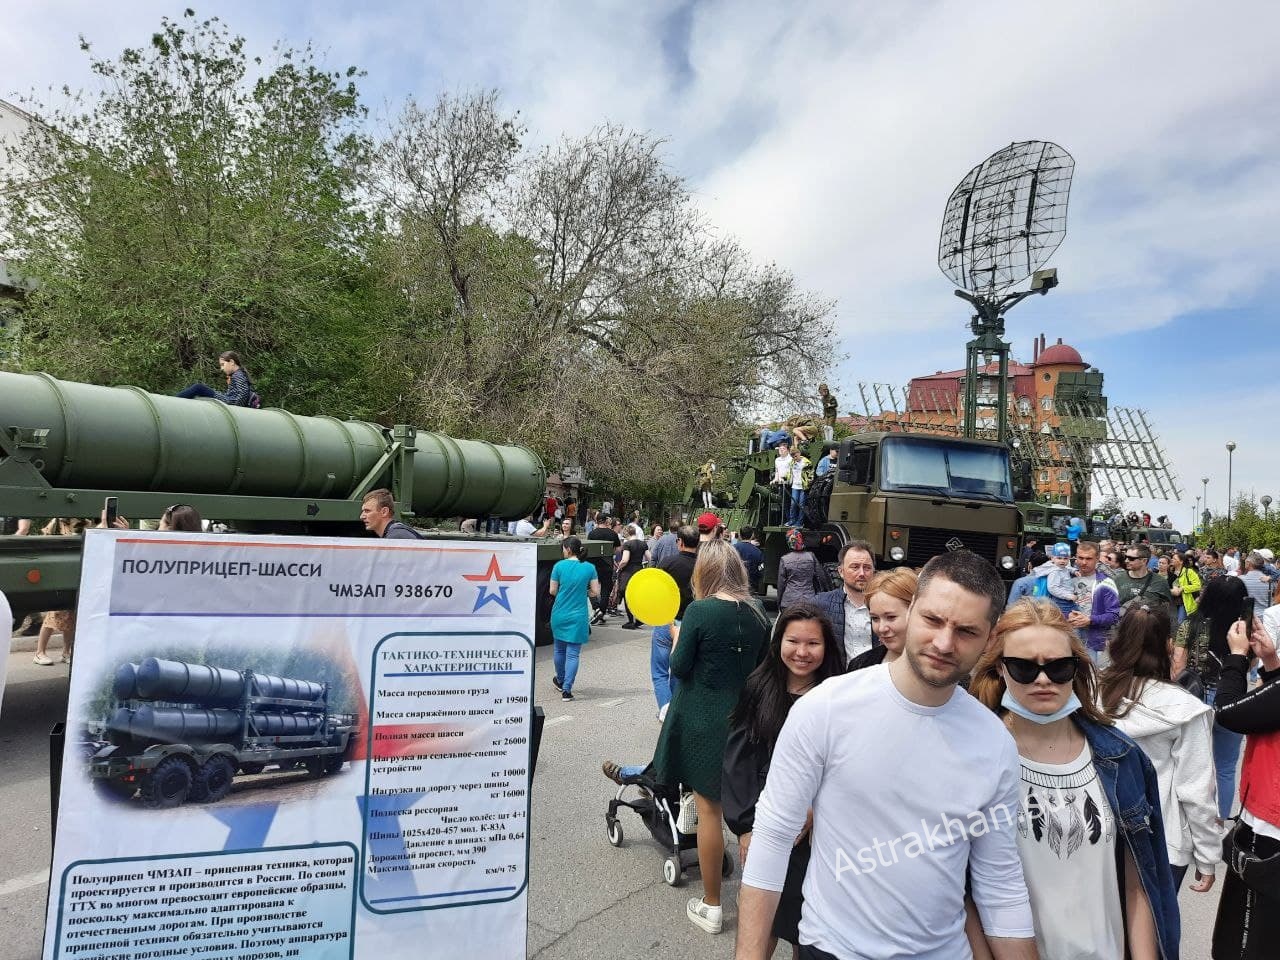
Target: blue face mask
(1013, 706)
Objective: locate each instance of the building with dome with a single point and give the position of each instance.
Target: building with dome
(1056, 402)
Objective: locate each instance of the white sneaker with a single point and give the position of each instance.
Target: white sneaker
(42, 660)
(710, 919)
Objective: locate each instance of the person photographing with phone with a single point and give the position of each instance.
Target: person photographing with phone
(1248, 923)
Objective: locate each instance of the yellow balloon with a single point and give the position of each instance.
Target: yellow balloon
(653, 597)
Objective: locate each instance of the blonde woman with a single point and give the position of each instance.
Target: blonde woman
(889, 596)
(722, 638)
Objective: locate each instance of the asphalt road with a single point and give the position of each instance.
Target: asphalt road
(587, 898)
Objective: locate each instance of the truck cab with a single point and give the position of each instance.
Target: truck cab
(911, 496)
(914, 496)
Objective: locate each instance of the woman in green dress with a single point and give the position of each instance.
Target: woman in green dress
(722, 638)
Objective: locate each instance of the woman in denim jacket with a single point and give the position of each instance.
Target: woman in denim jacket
(1090, 834)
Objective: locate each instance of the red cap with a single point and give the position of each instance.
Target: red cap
(708, 522)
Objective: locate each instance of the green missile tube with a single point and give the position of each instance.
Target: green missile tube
(127, 439)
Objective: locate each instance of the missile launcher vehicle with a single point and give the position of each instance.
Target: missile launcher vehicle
(65, 447)
(180, 732)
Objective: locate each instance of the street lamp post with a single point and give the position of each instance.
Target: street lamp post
(1231, 449)
(1205, 481)
(1266, 506)
(1195, 515)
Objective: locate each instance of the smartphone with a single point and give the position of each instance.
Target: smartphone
(1247, 607)
(111, 511)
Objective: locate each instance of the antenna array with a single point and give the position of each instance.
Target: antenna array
(1109, 451)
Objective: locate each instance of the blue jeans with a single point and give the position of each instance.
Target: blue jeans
(664, 684)
(1226, 756)
(198, 390)
(797, 507)
(565, 659)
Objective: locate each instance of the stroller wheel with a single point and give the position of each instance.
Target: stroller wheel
(672, 871)
(613, 830)
(726, 868)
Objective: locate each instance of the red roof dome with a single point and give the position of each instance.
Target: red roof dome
(1058, 353)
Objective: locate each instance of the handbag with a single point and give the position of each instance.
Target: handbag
(687, 819)
(1191, 681)
(1261, 874)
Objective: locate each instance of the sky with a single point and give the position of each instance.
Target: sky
(826, 137)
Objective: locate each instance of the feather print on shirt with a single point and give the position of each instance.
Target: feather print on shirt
(1036, 813)
(1093, 818)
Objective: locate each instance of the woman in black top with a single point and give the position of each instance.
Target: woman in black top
(802, 653)
(1248, 924)
(634, 550)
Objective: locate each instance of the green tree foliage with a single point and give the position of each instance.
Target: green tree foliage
(572, 301)
(1251, 527)
(200, 200)
(569, 298)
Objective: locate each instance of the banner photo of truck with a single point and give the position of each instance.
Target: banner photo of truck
(296, 746)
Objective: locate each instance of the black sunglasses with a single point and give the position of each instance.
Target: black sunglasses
(1133, 558)
(1061, 670)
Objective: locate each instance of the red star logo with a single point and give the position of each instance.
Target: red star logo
(493, 573)
(486, 595)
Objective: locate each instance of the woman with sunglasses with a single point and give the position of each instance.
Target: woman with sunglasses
(1089, 829)
(1175, 731)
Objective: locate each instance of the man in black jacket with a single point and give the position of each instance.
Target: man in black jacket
(604, 530)
(378, 511)
(846, 606)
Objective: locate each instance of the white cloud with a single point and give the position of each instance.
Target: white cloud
(827, 137)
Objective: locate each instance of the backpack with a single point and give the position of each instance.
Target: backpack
(255, 401)
(1042, 586)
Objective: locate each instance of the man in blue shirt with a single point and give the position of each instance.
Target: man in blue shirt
(752, 556)
(1026, 586)
(827, 463)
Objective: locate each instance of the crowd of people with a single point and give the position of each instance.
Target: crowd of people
(62, 623)
(1044, 772)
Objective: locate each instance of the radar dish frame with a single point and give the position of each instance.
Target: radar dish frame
(1006, 217)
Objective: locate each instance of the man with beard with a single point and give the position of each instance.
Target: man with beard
(934, 779)
(846, 606)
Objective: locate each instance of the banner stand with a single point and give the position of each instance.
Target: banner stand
(57, 741)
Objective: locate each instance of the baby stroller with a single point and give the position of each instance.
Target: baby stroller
(672, 820)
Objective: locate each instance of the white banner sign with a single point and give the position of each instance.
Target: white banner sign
(296, 747)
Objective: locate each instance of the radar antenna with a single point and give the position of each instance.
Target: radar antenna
(1002, 223)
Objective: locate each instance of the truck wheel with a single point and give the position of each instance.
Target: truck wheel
(168, 785)
(317, 766)
(213, 782)
(333, 763)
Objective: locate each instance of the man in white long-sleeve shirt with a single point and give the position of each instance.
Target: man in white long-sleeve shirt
(911, 782)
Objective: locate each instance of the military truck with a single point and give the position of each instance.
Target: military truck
(181, 731)
(65, 447)
(1046, 522)
(911, 496)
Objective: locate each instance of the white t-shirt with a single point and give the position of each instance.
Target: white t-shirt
(798, 465)
(1230, 563)
(857, 629)
(524, 528)
(904, 799)
(782, 468)
(1067, 842)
